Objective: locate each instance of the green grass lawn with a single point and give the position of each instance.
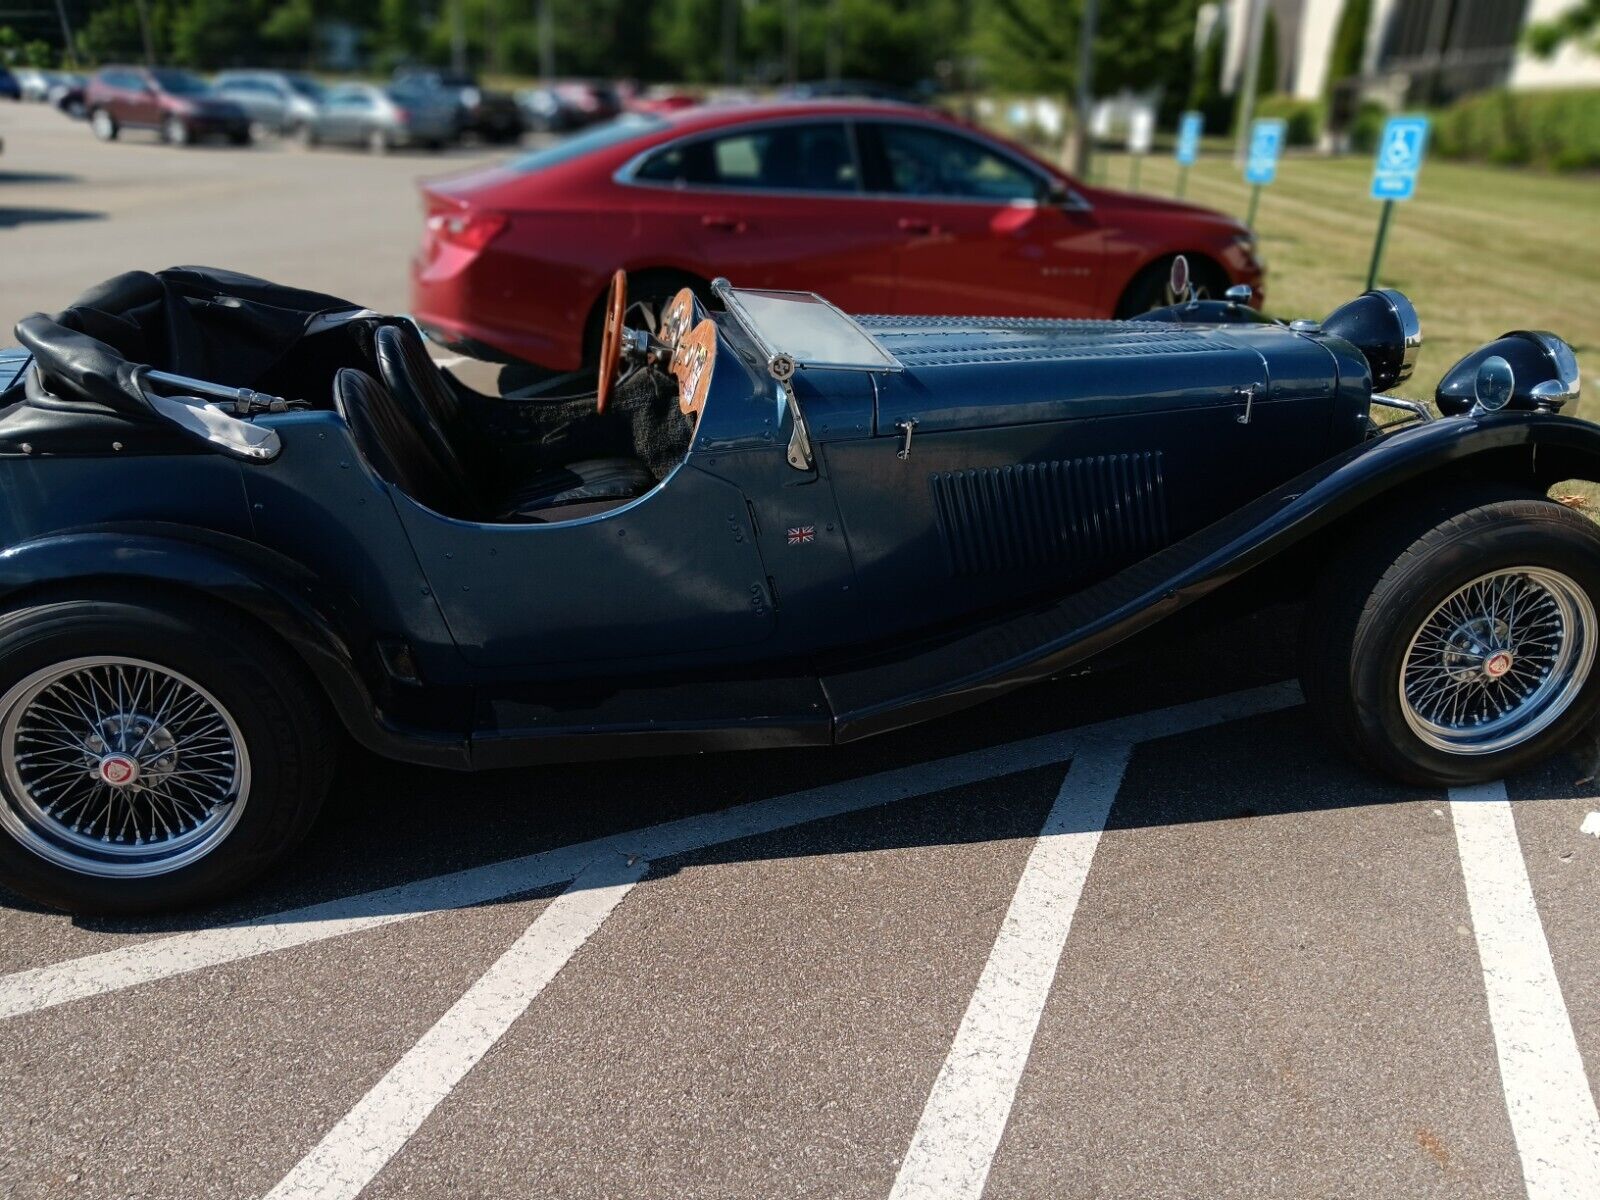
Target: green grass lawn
(1480, 251)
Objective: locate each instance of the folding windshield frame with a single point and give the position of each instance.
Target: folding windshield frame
(784, 359)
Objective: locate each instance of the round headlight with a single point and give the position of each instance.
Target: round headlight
(1494, 383)
(1383, 325)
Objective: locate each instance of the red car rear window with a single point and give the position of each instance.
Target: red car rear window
(612, 133)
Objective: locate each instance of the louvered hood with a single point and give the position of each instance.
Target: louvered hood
(972, 372)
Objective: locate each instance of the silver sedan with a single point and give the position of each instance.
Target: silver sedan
(358, 114)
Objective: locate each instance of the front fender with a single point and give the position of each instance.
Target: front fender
(898, 688)
(327, 633)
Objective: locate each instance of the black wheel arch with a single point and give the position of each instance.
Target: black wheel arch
(669, 279)
(328, 636)
(1206, 271)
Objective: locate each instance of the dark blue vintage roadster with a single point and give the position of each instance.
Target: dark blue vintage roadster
(242, 521)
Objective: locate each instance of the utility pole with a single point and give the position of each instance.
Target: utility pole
(144, 31)
(1251, 78)
(547, 42)
(1085, 105)
(791, 42)
(458, 35)
(730, 41)
(66, 34)
(832, 66)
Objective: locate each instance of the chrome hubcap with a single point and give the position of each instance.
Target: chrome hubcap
(119, 767)
(1498, 661)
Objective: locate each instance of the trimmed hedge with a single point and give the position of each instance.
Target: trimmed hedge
(1302, 118)
(1559, 129)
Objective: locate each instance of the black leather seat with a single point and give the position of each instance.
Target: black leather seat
(410, 449)
(433, 404)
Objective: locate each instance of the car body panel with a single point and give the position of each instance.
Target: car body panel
(1073, 484)
(577, 213)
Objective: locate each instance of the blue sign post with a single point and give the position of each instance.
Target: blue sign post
(1394, 176)
(1190, 126)
(1261, 163)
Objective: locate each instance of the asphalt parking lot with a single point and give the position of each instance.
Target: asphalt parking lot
(1139, 934)
(74, 211)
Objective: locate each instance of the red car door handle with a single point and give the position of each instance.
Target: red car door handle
(915, 225)
(718, 221)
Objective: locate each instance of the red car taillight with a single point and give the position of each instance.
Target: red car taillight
(469, 230)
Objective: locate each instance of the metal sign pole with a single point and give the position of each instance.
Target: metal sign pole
(1255, 199)
(1378, 243)
(1183, 182)
(1133, 173)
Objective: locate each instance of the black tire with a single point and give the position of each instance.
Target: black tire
(256, 682)
(1148, 288)
(103, 125)
(652, 290)
(1376, 597)
(242, 138)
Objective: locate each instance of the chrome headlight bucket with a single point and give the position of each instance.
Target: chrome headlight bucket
(1384, 326)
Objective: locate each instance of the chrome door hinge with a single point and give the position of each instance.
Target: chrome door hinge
(906, 427)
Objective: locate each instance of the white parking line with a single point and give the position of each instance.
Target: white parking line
(161, 958)
(955, 1141)
(1552, 1110)
(373, 1132)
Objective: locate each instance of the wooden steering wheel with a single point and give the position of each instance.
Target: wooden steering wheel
(611, 338)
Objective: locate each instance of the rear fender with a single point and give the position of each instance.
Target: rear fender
(329, 635)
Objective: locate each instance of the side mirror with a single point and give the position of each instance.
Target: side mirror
(1055, 194)
(1178, 281)
(1240, 293)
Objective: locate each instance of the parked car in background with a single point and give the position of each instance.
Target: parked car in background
(67, 92)
(662, 100)
(381, 119)
(276, 101)
(32, 84)
(490, 115)
(178, 104)
(569, 104)
(883, 208)
(9, 87)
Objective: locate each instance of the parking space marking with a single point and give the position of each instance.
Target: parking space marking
(373, 1132)
(962, 1123)
(112, 970)
(1552, 1110)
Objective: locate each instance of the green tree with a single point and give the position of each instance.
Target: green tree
(1349, 42)
(1031, 45)
(1580, 23)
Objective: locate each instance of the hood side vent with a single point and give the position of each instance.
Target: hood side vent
(1083, 513)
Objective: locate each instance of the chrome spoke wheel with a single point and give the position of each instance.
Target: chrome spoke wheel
(118, 767)
(1498, 661)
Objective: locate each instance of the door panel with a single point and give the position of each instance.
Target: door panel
(775, 205)
(974, 234)
(675, 571)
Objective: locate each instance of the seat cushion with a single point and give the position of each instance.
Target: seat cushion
(575, 483)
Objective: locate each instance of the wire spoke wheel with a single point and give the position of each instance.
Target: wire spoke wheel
(1498, 661)
(118, 767)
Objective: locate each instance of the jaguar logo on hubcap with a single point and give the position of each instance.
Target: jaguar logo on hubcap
(1497, 664)
(118, 770)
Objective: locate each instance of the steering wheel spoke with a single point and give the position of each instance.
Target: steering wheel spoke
(611, 338)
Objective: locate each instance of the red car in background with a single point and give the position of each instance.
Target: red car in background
(177, 104)
(878, 207)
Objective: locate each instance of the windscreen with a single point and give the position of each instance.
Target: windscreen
(808, 329)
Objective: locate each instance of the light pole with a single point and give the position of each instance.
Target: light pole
(66, 33)
(730, 41)
(1252, 73)
(458, 36)
(1080, 157)
(547, 42)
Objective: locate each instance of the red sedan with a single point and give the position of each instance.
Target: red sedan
(880, 208)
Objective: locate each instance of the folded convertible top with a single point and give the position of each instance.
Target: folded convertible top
(84, 391)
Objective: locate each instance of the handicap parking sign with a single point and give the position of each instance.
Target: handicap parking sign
(1400, 151)
(1189, 127)
(1266, 143)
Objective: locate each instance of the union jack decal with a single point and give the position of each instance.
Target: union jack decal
(801, 535)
